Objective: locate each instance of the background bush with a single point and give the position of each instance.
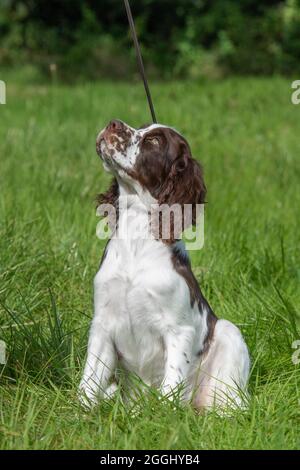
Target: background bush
(179, 37)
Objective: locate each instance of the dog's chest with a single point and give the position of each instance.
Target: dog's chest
(137, 289)
(139, 296)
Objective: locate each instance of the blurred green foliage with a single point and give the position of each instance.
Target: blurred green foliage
(191, 38)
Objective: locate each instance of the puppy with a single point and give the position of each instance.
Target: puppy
(150, 316)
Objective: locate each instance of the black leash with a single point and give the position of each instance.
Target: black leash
(140, 59)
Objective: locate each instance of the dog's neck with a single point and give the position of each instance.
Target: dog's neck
(135, 194)
(139, 216)
(133, 218)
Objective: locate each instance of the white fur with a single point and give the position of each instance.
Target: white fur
(223, 373)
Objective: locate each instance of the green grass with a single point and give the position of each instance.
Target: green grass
(246, 134)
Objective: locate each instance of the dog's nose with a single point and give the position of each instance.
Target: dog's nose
(115, 126)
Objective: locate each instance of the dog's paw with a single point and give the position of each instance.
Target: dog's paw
(87, 397)
(167, 391)
(111, 391)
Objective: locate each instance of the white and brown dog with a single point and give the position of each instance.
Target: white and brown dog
(150, 316)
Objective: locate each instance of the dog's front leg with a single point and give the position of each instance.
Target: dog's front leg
(99, 367)
(178, 358)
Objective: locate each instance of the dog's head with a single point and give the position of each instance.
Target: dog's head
(155, 159)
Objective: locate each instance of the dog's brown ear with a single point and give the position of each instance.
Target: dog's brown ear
(110, 196)
(184, 184)
(183, 187)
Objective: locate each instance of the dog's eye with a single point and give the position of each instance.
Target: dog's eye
(152, 140)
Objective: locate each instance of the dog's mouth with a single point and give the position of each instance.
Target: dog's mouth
(100, 147)
(107, 155)
(104, 151)
(101, 143)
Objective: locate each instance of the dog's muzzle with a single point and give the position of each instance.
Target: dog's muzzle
(114, 127)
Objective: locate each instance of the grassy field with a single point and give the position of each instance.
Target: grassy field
(246, 134)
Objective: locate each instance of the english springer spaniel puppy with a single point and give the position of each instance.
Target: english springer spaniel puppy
(150, 316)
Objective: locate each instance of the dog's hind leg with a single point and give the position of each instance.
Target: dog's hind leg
(222, 377)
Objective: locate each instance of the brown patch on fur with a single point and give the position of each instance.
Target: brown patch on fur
(110, 196)
(211, 323)
(171, 175)
(182, 265)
